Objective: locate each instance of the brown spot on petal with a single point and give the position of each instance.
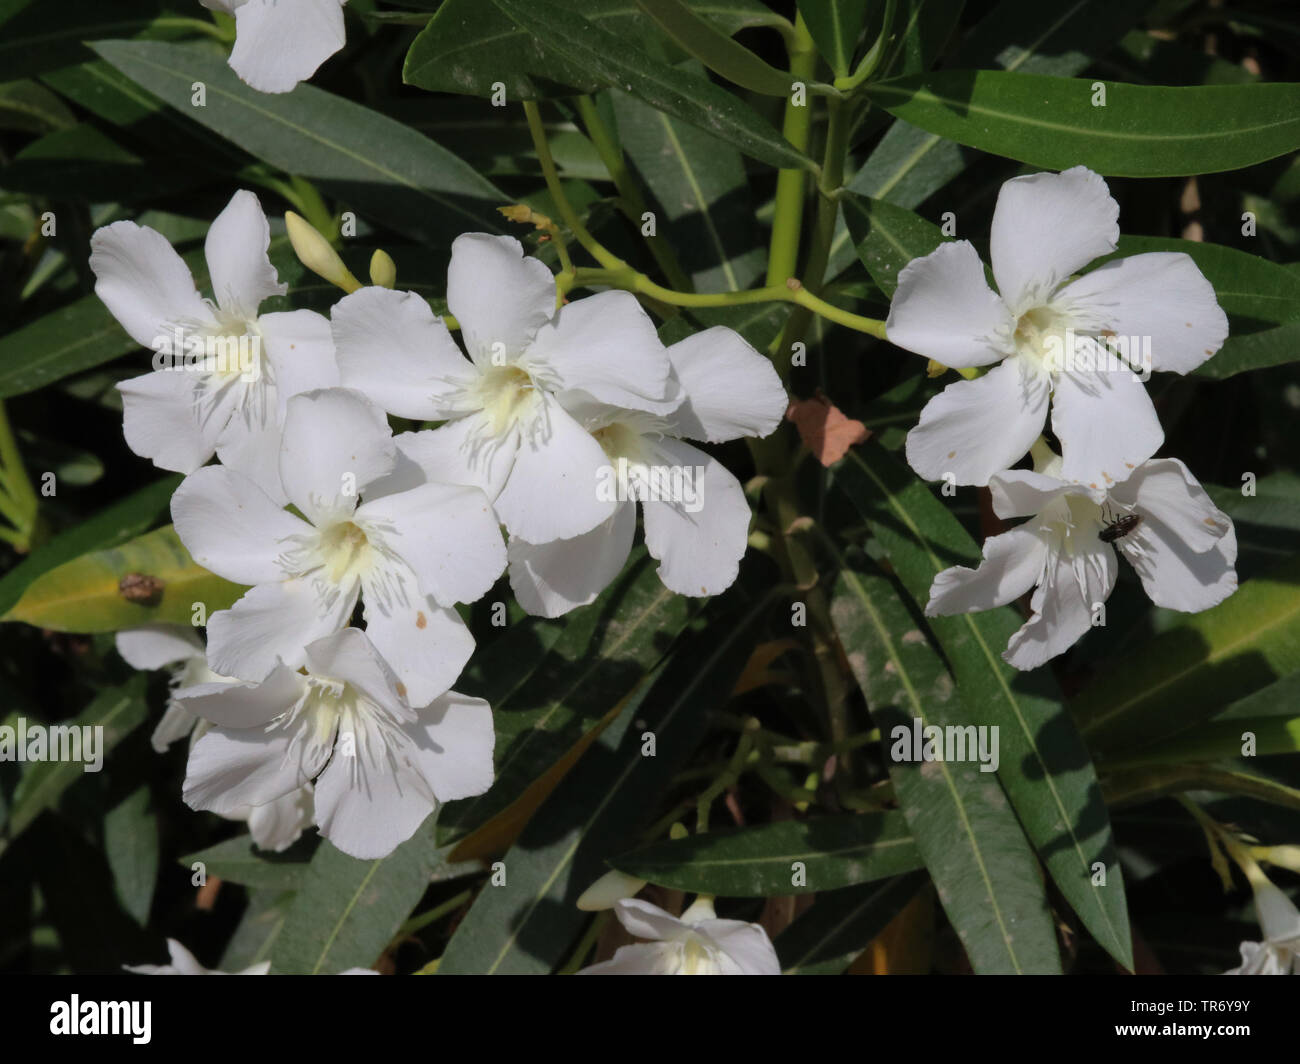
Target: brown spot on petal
(952, 454)
(1130, 465)
(421, 621)
(1092, 485)
(401, 688)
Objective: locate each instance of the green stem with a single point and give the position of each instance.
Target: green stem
(594, 248)
(787, 222)
(631, 280)
(631, 201)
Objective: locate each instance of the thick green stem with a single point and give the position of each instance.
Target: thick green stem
(787, 222)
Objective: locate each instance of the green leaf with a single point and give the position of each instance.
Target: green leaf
(826, 938)
(347, 911)
(695, 100)
(716, 50)
(1148, 783)
(921, 29)
(909, 164)
(526, 924)
(150, 580)
(259, 927)
(131, 845)
(471, 47)
(887, 237)
(371, 162)
(1191, 671)
(1221, 739)
(118, 710)
(549, 682)
(835, 26)
(239, 861)
(701, 195)
(27, 106)
(755, 862)
(135, 514)
(1141, 131)
(977, 854)
(1045, 768)
(36, 36)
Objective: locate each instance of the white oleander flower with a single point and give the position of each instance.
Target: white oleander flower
(183, 962)
(275, 826)
(695, 943)
(696, 515)
(380, 766)
(279, 43)
(1182, 546)
(508, 430)
(408, 556)
(1046, 336)
(1279, 920)
(223, 373)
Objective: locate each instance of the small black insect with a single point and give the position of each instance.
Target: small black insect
(1119, 528)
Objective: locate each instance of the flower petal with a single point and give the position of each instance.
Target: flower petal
(447, 534)
(273, 622)
(1063, 605)
(425, 644)
(393, 349)
(243, 705)
(553, 578)
(160, 420)
(1176, 576)
(1164, 490)
(463, 451)
(300, 349)
(944, 309)
(1022, 492)
(1046, 227)
(454, 740)
(731, 390)
(642, 958)
(335, 443)
(641, 919)
(236, 249)
(551, 490)
(369, 809)
(976, 428)
(151, 646)
(499, 295)
(230, 526)
(232, 768)
(745, 946)
(144, 284)
(278, 824)
(1106, 423)
(1011, 566)
(280, 44)
(250, 445)
(606, 347)
(699, 542)
(1161, 298)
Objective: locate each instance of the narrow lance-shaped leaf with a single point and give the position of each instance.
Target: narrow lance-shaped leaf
(375, 164)
(982, 865)
(826, 938)
(150, 580)
(527, 923)
(1133, 131)
(758, 861)
(835, 26)
(619, 63)
(715, 49)
(1045, 768)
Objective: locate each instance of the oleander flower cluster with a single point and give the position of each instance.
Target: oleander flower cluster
(324, 694)
(1077, 348)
